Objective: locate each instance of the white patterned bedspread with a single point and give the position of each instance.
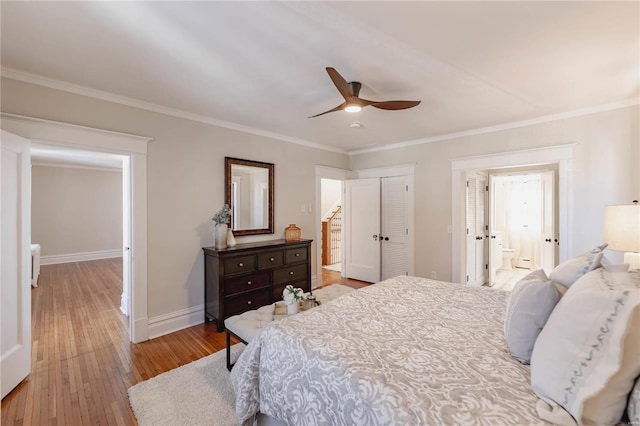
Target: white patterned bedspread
(404, 351)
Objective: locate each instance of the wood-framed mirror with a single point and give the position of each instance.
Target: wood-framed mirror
(249, 191)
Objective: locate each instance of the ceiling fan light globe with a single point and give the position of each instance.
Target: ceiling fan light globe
(353, 108)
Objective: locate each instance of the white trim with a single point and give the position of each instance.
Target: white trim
(76, 166)
(14, 74)
(79, 257)
(66, 134)
(558, 154)
(504, 126)
(174, 321)
(135, 147)
(148, 106)
(387, 171)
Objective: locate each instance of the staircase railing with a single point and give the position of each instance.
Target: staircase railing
(331, 235)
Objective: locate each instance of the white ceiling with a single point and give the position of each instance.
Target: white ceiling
(260, 65)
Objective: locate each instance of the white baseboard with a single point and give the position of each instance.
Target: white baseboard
(79, 257)
(174, 321)
(185, 318)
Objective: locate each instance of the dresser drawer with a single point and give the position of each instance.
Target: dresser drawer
(290, 273)
(235, 265)
(270, 259)
(246, 302)
(246, 283)
(295, 255)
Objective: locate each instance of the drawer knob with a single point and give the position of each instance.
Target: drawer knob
(241, 264)
(248, 282)
(249, 302)
(290, 272)
(297, 254)
(271, 259)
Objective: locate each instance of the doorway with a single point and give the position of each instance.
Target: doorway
(560, 156)
(134, 150)
(331, 224)
(522, 225)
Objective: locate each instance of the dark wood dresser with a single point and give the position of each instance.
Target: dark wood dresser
(247, 276)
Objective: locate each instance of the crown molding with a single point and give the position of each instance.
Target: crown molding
(123, 100)
(148, 106)
(504, 126)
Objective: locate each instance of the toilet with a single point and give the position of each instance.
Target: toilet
(507, 259)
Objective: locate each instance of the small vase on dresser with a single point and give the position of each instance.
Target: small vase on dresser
(220, 236)
(231, 240)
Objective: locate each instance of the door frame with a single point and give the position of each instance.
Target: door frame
(324, 172)
(562, 155)
(135, 147)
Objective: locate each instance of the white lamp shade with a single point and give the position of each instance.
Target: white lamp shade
(622, 227)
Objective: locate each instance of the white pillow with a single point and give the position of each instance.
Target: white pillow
(570, 270)
(529, 306)
(588, 354)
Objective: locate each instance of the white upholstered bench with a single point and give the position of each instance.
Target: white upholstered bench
(246, 325)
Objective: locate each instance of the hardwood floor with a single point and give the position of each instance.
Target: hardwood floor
(333, 277)
(82, 360)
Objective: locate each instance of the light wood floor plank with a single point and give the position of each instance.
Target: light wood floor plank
(82, 360)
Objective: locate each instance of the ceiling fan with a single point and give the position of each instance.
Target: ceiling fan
(353, 103)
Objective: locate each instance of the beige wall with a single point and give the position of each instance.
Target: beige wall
(75, 210)
(605, 171)
(185, 181)
(331, 193)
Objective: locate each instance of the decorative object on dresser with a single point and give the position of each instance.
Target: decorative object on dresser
(231, 240)
(250, 275)
(221, 219)
(292, 233)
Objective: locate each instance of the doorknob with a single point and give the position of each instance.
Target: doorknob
(375, 237)
(386, 238)
(547, 240)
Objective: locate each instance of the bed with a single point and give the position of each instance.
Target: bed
(403, 351)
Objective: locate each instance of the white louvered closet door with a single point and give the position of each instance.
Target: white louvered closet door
(394, 226)
(476, 205)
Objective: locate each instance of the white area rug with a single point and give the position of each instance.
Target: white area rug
(198, 393)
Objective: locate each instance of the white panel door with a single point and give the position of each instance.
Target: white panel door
(395, 231)
(548, 222)
(476, 241)
(15, 265)
(362, 229)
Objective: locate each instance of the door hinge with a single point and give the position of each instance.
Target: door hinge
(467, 231)
(407, 188)
(407, 231)
(467, 184)
(486, 266)
(467, 278)
(486, 188)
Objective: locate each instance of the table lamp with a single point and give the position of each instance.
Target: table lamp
(622, 231)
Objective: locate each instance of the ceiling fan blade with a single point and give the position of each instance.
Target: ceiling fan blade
(340, 83)
(338, 108)
(394, 105)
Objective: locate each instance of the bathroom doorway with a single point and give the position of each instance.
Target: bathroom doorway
(522, 225)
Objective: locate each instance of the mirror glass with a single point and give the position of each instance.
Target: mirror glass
(249, 192)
